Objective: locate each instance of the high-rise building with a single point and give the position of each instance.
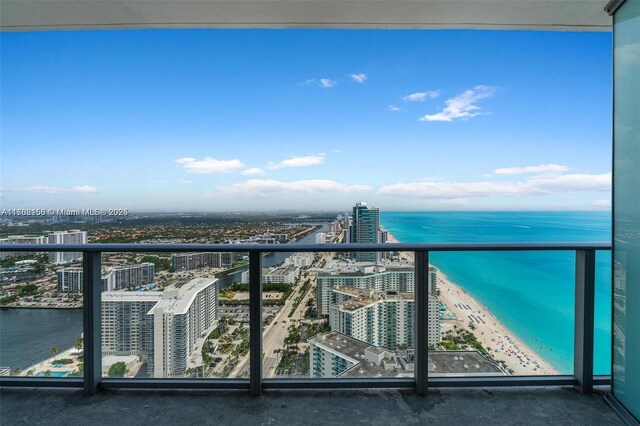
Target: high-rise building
(128, 276)
(365, 228)
(74, 236)
(380, 318)
(162, 327)
(20, 239)
(69, 280)
(186, 261)
(179, 320)
(391, 276)
(321, 238)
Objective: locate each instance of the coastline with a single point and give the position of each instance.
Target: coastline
(494, 336)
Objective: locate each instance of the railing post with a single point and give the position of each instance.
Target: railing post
(255, 323)
(91, 298)
(584, 317)
(421, 361)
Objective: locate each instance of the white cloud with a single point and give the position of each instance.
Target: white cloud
(359, 78)
(421, 96)
(430, 189)
(571, 182)
(463, 106)
(542, 168)
(327, 83)
(304, 161)
(253, 171)
(41, 189)
(606, 204)
(209, 165)
(394, 108)
(264, 187)
(84, 188)
(186, 182)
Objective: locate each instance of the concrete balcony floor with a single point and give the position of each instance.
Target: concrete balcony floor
(487, 406)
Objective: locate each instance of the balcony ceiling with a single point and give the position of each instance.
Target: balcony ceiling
(572, 15)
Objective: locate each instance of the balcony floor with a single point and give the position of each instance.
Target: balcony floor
(539, 406)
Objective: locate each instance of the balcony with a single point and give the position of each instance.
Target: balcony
(583, 378)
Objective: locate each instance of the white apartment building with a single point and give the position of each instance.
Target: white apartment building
(287, 274)
(187, 261)
(321, 238)
(129, 276)
(74, 236)
(69, 280)
(162, 327)
(282, 274)
(126, 328)
(382, 319)
(390, 276)
(20, 239)
(183, 316)
(300, 260)
(337, 355)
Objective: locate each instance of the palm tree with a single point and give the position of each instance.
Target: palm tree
(54, 352)
(16, 371)
(47, 373)
(79, 344)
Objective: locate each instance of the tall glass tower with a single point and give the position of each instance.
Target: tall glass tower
(364, 230)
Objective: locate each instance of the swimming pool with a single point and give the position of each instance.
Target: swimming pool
(54, 374)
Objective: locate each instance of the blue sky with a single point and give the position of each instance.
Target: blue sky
(227, 120)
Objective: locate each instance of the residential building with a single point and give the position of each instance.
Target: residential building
(162, 327)
(20, 239)
(365, 228)
(69, 280)
(187, 261)
(183, 317)
(388, 276)
(282, 274)
(74, 236)
(382, 319)
(334, 355)
(129, 276)
(321, 238)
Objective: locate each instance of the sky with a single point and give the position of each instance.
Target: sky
(256, 120)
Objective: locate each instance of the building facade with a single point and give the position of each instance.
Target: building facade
(364, 229)
(74, 236)
(187, 261)
(393, 276)
(130, 276)
(162, 327)
(69, 280)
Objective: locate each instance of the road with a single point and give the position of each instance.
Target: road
(274, 334)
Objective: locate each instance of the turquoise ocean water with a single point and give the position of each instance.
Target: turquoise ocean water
(531, 293)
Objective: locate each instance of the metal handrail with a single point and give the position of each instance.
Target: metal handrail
(244, 248)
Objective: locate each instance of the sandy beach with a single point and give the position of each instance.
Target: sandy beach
(493, 335)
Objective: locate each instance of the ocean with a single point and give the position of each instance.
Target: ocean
(531, 293)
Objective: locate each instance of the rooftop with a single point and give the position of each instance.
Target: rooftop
(178, 300)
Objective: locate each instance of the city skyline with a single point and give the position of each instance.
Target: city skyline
(405, 120)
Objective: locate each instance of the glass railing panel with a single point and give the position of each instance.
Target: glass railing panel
(602, 313)
(40, 317)
(172, 315)
(346, 316)
(505, 313)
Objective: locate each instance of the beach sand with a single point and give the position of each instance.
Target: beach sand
(503, 344)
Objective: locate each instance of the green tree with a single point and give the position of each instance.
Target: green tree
(54, 352)
(16, 371)
(47, 373)
(119, 369)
